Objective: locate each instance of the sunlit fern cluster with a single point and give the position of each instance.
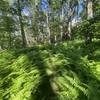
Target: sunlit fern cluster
(62, 72)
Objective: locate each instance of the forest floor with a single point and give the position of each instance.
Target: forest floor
(61, 72)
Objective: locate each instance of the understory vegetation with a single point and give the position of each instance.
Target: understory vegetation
(61, 72)
(49, 49)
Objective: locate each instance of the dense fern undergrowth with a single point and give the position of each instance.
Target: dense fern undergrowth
(61, 72)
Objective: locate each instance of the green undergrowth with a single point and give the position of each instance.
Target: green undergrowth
(61, 72)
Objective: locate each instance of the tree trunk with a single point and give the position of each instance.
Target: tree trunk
(69, 21)
(48, 29)
(61, 26)
(24, 43)
(55, 37)
(69, 30)
(89, 9)
(88, 36)
(10, 41)
(77, 14)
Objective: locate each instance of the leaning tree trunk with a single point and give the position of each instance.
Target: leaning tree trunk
(24, 43)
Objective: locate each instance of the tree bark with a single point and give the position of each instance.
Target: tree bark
(61, 26)
(10, 41)
(69, 21)
(88, 36)
(24, 43)
(89, 9)
(69, 30)
(48, 29)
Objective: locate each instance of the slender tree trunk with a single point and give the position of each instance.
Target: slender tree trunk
(88, 36)
(1, 44)
(61, 33)
(10, 41)
(24, 43)
(69, 30)
(69, 21)
(55, 37)
(61, 26)
(48, 29)
(77, 14)
(89, 9)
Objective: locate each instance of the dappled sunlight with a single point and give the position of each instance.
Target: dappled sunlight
(23, 77)
(61, 72)
(49, 50)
